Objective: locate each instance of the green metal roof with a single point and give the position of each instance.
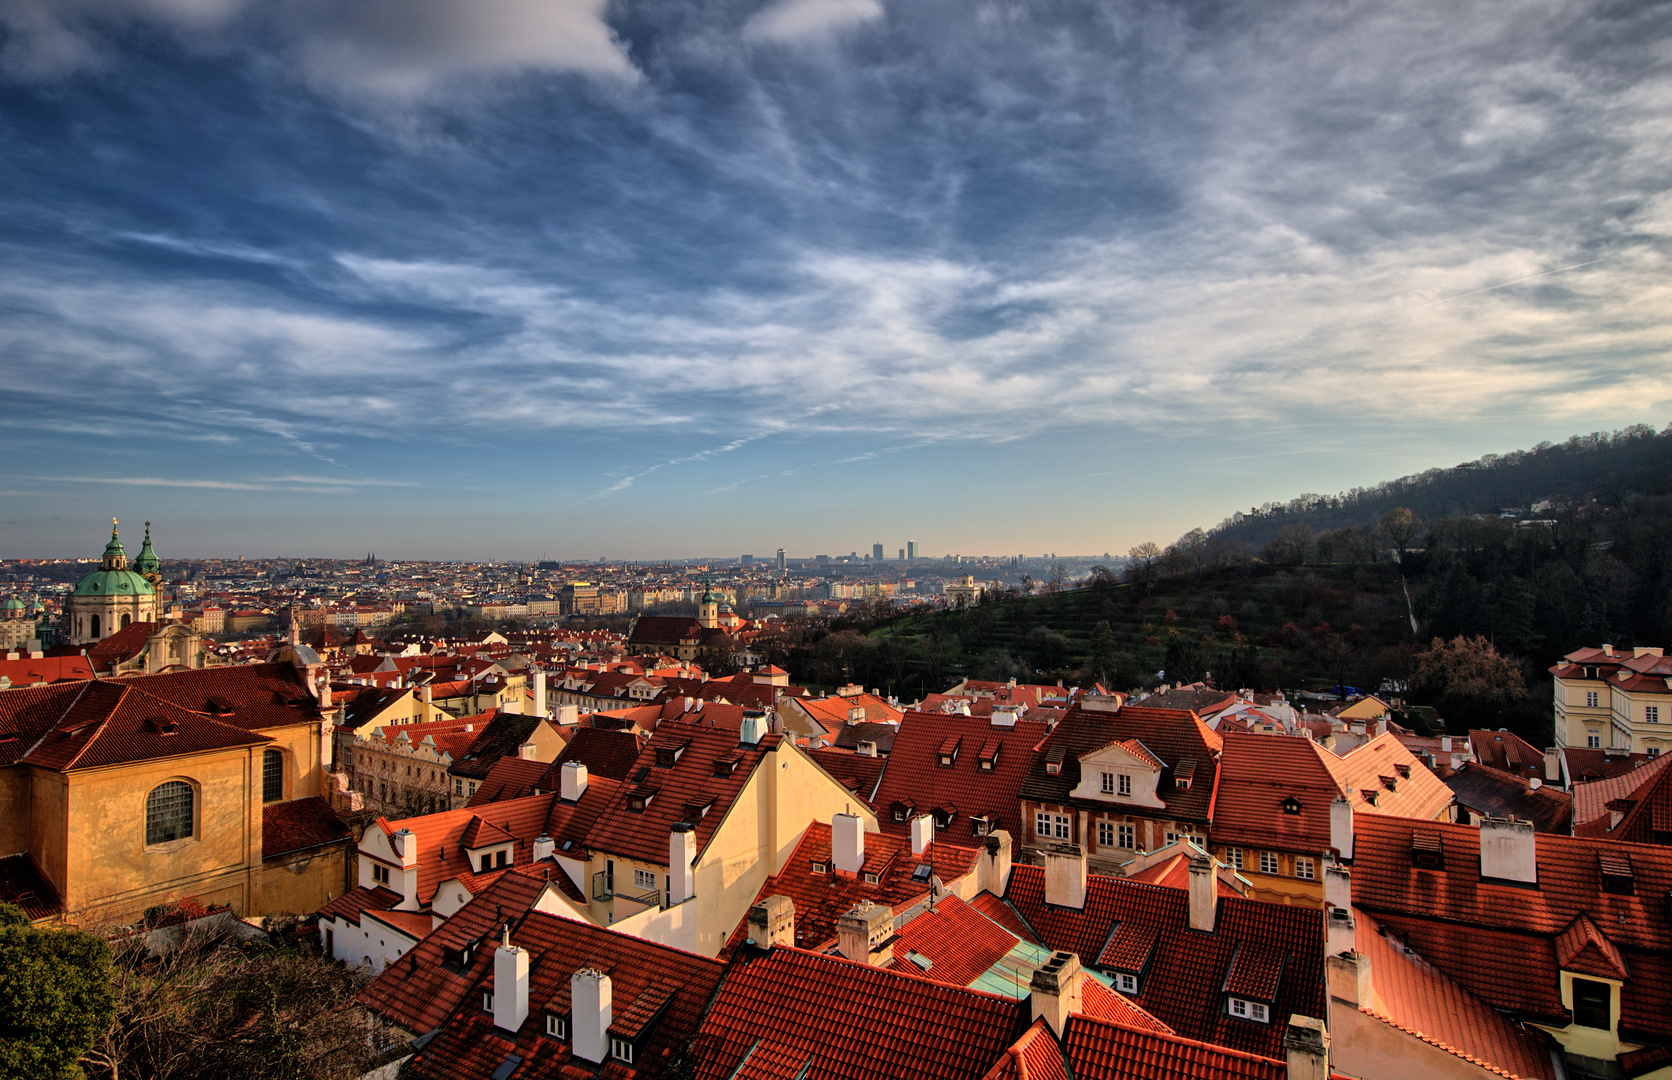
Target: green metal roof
(113, 583)
(147, 563)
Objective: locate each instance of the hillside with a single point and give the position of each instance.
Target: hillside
(1585, 468)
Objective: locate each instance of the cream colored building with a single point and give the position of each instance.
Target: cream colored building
(1614, 699)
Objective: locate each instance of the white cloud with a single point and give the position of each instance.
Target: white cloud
(797, 22)
(48, 39)
(409, 50)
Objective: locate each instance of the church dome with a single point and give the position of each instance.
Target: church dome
(113, 578)
(12, 608)
(148, 565)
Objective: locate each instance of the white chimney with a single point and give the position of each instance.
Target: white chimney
(1553, 765)
(1204, 892)
(772, 922)
(527, 751)
(572, 781)
(1456, 761)
(866, 934)
(1445, 744)
(994, 873)
(1057, 990)
(425, 693)
(544, 847)
(1065, 876)
(1382, 726)
(1507, 850)
(567, 715)
(1306, 1048)
(754, 730)
(866, 748)
(1348, 979)
(406, 846)
(1535, 783)
(589, 1009)
(1341, 828)
(539, 693)
(922, 833)
(510, 986)
(847, 842)
(682, 855)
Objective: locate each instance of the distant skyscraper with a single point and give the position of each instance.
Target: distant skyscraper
(783, 563)
(876, 552)
(746, 560)
(911, 549)
(902, 554)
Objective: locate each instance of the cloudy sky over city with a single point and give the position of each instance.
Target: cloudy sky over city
(576, 278)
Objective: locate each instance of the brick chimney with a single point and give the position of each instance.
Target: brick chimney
(922, 833)
(572, 781)
(1065, 876)
(1507, 850)
(510, 985)
(589, 1015)
(847, 842)
(772, 922)
(993, 873)
(1306, 1048)
(1204, 892)
(866, 934)
(1057, 989)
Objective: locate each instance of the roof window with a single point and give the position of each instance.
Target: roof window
(1053, 760)
(1427, 853)
(948, 753)
(1291, 805)
(1617, 877)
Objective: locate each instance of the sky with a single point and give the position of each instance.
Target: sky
(524, 279)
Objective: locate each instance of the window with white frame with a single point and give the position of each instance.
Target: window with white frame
(1303, 869)
(1126, 983)
(1108, 783)
(1593, 740)
(1059, 825)
(1653, 751)
(644, 879)
(621, 1049)
(1042, 826)
(1268, 862)
(1250, 1010)
(380, 874)
(1172, 837)
(1651, 714)
(1128, 836)
(1125, 784)
(487, 1001)
(1591, 699)
(1233, 857)
(1105, 834)
(557, 1027)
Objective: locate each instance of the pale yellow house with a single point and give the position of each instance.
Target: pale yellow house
(1614, 699)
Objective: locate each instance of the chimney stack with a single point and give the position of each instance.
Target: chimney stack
(527, 751)
(540, 693)
(772, 922)
(922, 833)
(1204, 892)
(1065, 876)
(572, 781)
(754, 730)
(1341, 935)
(866, 934)
(866, 748)
(510, 985)
(1341, 828)
(1553, 765)
(847, 842)
(544, 847)
(682, 854)
(1508, 851)
(1445, 744)
(1347, 979)
(994, 870)
(1058, 989)
(589, 1009)
(1306, 1048)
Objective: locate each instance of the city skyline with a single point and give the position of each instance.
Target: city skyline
(506, 280)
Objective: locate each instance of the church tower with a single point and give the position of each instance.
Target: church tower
(708, 609)
(111, 598)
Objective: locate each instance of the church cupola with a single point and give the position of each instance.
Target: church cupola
(115, 556)
(148, 565)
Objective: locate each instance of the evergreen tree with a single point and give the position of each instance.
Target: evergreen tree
(55, 997)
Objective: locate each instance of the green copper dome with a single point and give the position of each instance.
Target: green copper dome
(148, 563)
(113, 583)
(12, 604)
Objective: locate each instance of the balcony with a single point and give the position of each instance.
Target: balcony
(602, 891)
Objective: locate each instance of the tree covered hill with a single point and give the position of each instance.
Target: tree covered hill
(1601, 466)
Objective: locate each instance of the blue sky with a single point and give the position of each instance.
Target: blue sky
(519, 279)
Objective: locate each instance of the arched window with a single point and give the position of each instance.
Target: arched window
(93, 627)
(168, 812)
(126, 620)
(272, 776)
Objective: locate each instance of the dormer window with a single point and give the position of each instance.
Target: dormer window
(1126, 982)
(1291, 805)
(458, 960)
(1249, 1010)
(724, 766)
(668, 756)
(948, 753)
(621, 1049)
(1616, 873)
(980, 825)
(1403, 770)
(1053, 760)
(1427, 852)
(557, 1026)
(870, 878)
(640, 799)
(821, 868)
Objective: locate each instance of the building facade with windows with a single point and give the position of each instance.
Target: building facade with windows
(124, 794)
(1614, 699)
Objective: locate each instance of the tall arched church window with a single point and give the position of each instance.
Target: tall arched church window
(93, 627)
(168, 812)
(126, 621)
(272, 776)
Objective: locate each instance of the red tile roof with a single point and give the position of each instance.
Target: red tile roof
(1474, 930)
(1257, 776)
(821, 897)
(1488, 792)
(1648, 811)
(657, 993)
(1507, 752)
(356, 901)
(259, 696)
(1591, 797)
(856, 772)
(90, 724)
(605, 753)
(125, 644)
(960, 943)
(1104, 1050)
(836, 1018)
(1035, 1056)
(510, 778)
(643, 835)
(27, 672)
(1144, 929)
(1420, 1000)
(299, 825)
(1177, 737)
(915, 778)
(1583, 948)
(996, 909)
